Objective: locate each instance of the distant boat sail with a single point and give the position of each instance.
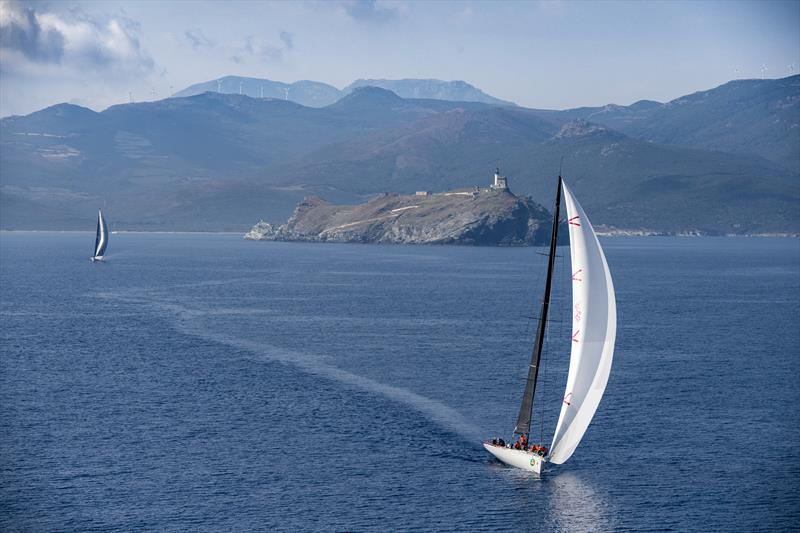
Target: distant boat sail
(101, 241)
(594, 331)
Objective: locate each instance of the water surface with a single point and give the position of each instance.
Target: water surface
(208, 383)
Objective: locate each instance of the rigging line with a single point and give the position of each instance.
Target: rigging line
(543, 396)
(523, 425)
(541, 269)
(536, 318)
(534, 271)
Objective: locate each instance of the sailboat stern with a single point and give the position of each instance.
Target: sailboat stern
(522, 459)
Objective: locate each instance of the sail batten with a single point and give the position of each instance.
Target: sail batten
(594, 327)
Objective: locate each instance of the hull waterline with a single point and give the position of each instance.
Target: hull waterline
(524, 460)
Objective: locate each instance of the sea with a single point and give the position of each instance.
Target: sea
(201, 382)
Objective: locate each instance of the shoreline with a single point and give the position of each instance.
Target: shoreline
(118, 232)
(600, 233)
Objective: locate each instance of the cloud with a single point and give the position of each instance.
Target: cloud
(257, 48)
(197, 38)
(552, 7)
(287, 39)
(368, 10)
(21, 31)
(31, 37)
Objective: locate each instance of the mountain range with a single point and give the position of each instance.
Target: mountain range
(724, 161)
(317, 94)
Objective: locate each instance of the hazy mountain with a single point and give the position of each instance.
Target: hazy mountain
(623, 182)
(453, 148)
(760, 117)
(179, 162)
(457, 91)
(317, 94)
(307, 93)
(223, 161)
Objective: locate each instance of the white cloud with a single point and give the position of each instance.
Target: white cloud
(255, 46)
(198, 39)
(31, 39)
(370, 11)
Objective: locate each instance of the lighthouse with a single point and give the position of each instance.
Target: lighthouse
(500, 182)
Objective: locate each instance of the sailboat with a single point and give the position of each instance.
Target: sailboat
(594, 330)
(101, 241)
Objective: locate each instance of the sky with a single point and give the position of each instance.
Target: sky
(550, 54)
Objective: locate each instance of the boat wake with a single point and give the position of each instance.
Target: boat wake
(189, 321)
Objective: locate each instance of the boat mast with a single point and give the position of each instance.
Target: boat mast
(523, 426)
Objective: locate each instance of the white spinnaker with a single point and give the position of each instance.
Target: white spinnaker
(594, 330)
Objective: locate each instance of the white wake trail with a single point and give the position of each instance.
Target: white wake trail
(186, 322)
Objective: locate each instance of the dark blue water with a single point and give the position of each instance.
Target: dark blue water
(201, 382)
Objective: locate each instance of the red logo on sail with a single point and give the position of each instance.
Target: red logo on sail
(575, 275)
(575, 335)
(568, 398)
(574, 220)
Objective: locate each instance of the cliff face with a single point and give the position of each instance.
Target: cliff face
(467, 217)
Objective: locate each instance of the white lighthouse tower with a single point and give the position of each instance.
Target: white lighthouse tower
(500, 182)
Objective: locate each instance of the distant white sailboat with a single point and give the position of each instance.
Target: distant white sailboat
(594, 331)
(101, 241)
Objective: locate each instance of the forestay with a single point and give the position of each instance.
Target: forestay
(594, 330)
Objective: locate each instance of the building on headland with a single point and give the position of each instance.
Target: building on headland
(500, 182)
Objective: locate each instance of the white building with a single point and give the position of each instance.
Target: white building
(500, 182)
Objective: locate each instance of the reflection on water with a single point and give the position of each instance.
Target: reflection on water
(574, 504)
(560, 501)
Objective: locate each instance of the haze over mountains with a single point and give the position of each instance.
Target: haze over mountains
(317, 94)
(725, 160)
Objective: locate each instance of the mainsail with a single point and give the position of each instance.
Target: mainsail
(101, 241)
(594, 330)
(523, 426)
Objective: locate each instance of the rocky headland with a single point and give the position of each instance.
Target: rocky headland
(482, 217)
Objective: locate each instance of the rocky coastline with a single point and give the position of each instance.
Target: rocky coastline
(475, 217)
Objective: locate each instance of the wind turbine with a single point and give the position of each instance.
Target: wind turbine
(219, 86)
(791, 69)
(763, 71)
(240, 87)
(286, 93)
(736, 71)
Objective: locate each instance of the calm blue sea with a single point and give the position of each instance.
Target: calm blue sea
(206, 383)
